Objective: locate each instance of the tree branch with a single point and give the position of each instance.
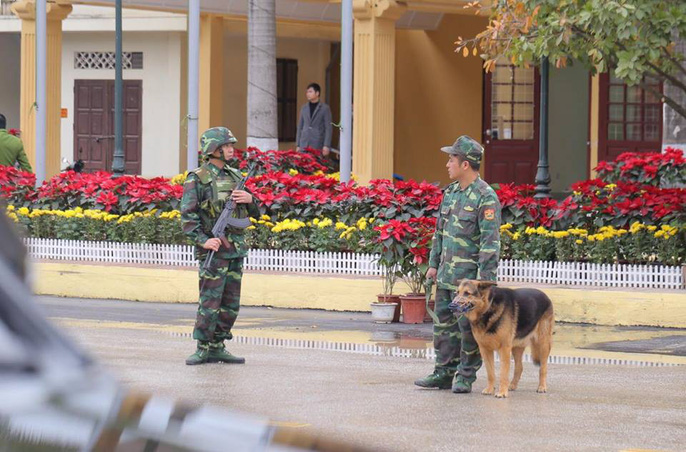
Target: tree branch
(674, 80)
(681, 110)
(674, 61)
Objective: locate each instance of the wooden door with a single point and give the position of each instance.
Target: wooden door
(132, 124)
(94, 124)
(630, 118)
(91, 124)
(511, 104)
(287, 98)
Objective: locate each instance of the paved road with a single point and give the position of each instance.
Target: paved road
(370, 399)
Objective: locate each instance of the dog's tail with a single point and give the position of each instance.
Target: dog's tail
(535, 355)
(540, 348)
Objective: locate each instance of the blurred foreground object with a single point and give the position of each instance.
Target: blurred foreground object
(54, 397)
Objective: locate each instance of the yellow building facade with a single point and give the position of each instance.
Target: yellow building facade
(412, 93)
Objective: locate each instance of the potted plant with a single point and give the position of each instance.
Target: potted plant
(391, 249)
(387, 307)
(414, 267)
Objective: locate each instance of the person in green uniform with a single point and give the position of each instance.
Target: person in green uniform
(466, 245)
(205, 193)
(12, 149)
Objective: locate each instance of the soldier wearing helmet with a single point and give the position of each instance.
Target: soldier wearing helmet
(205, 192)
(466, 245)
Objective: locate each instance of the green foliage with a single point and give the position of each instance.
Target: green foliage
(635, 38)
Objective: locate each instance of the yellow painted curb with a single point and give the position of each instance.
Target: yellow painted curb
(665, 308)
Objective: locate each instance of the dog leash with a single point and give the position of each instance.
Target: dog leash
(428, 287)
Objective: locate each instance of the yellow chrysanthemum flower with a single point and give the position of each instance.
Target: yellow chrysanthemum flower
(179, 179)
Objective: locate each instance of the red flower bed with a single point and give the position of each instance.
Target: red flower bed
(305, 196)
(99, 190)
(17, 186)
(649, 168)
(598, 203)
(309, 196)
(308, 161)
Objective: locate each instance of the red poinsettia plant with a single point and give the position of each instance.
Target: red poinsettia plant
(416, 261)
(645, 168)
(404, 249)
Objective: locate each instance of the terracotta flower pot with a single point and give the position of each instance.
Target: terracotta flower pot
(414, 308)
(382, 298)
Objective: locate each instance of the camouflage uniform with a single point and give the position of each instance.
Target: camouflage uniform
(205, 192)
(466, 245)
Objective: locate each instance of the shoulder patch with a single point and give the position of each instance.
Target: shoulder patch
(489, 214)
(204, 174)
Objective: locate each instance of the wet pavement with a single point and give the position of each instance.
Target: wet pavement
(342, 375)
(305, 328)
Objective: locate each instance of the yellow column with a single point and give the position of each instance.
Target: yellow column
(56, 12)
(595, 123)
(374, 88)
(211, 99)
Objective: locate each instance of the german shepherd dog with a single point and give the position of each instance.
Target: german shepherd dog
(507, 320)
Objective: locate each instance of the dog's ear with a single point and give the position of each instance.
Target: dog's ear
(484, 285)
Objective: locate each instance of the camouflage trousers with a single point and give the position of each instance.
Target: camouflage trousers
(455, 346)
(220, 297)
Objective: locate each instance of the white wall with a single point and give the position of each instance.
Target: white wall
(161, 97)
(10, 77)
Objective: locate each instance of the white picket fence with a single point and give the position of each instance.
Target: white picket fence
(587, 274)
(183, 256)
(313, 262)
(556, 273)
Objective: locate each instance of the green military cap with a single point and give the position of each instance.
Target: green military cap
(466, 147)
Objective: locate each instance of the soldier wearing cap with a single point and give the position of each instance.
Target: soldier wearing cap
(205, 192)
(466, 245)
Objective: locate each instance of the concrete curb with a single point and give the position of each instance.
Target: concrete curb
(601, 306)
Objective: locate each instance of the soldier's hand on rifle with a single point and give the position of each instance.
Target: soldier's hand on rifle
(431, 273)
(326, 151)
(212, 244)
(241, 197)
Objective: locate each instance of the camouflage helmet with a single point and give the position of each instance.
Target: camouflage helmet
(467, 148)
(214, 138)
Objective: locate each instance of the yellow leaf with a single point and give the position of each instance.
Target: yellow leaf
(465, 51)
(475, 52)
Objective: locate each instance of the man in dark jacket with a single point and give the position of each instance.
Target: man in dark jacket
(314, 125)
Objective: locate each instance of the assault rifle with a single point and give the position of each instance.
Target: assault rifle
(226, 218)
